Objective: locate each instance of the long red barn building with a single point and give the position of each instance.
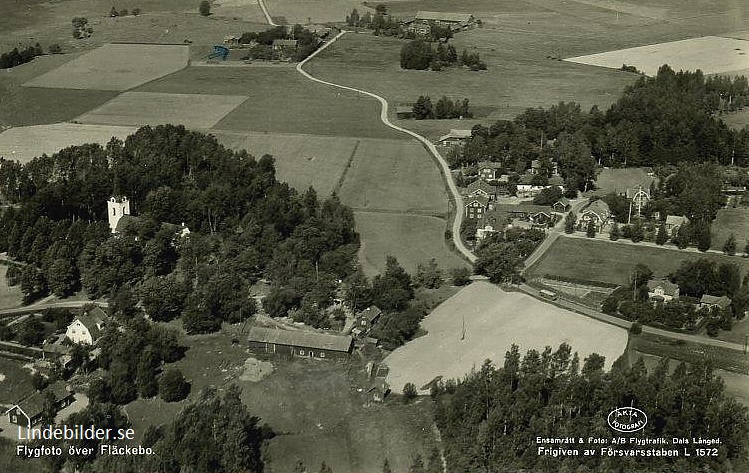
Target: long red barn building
(300, 343)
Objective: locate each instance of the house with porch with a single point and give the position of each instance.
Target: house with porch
(562, 205)
(662, 290)
(597, 212)
(711, 303)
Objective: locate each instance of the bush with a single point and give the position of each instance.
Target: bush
(173, 386)
(416, 54)
(461, 276)
(636, 328)
(136, 11)
(205, 8)
(55, 48)
(409, 392)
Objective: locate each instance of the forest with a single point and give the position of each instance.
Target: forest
(490, 419)
(244, 225)
(668, 119)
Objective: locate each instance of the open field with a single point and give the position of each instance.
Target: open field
(494, 320)
(322, 418)
(149, 108)
(10, 297)
(281, 101)
(301, 160)
(20, 106)
(160, 21)
(619, 180)
(614, 262)
(394, 175)
(730, 221)
(16, 382)
(25, 143)
(710, 54)
(515, 42)
(116, 67)
(314, 407)
(412, 239)
(736, 120)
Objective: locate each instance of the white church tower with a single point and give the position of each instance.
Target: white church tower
(116, 208)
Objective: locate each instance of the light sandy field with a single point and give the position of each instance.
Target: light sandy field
(149, 108)
(116, 67)
(710, 54)
(27, 142)
(301, 160)
(412, 239)
(494, 320)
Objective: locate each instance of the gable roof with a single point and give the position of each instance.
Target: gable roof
(32, 406)
(676, 220)
(300, 338)
(562, 200)
(91, 322)
(484, 201)
(722, 301)
(482, 185)
(599, 208)
(284, 42)
(668, 287)
(489, 165)
(443, 16)
(370, 313)
(455, 133)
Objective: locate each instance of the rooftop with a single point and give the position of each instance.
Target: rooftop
(300, 338)
(720, 301)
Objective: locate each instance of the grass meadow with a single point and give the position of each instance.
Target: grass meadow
(301, 160)
(412, 239)
(280, 101)
(614, 262)
(314, 407)
(619, 180)
(16, 382)
(394, 175)
(10, 297)
(730, 221)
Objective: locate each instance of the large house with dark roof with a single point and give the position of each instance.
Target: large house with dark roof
(597, 212)
(481, 188)
(489, 170)
(475, 207)
(29, 411)
(368, 317)
(711, 302)
(300, 343)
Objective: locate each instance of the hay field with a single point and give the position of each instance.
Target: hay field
(394, 175)
(494, 320)
(25, 143)
(710, 54)
(148, 108)
(618, 180)
(515, 41)
(412, 239)
(730, 221)
(280, 101)
(301, 160)
(116, 67)
(10, 297)
(610, 262)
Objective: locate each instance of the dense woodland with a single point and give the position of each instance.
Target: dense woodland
(421, 55)
(445, 108)
(490, 420)
(668, 119)
(245, 225)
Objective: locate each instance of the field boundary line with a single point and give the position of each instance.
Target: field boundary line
(444, 168)
(419, 213)
(339, 184)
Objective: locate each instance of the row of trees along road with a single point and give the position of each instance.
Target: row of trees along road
(490, 419)
(666, 119)
(245, 225)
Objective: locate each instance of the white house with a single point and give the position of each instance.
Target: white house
(117, 207)
(87, 328)
(662, 289)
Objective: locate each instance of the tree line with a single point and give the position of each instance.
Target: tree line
(445, 108)
(663, 120)
(421, 55)
(16, 58)
(244, 225)
(490, 419)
